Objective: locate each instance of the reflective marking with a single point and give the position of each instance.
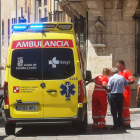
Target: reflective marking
(102, 116)
(95, 124)
(102, 123)
(95, 116)
(98, 85)
(99, 89)
(126, 121)
(126, 118)
(125, 107)
(130, 77)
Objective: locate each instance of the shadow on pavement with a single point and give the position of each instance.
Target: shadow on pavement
(63, 130)
(2, 137)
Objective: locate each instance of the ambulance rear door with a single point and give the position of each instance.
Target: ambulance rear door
(24, 86)
(60, 93)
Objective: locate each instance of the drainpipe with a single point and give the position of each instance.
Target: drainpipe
(16, 11)
(35, 11)
(135, 49)
(0, 42)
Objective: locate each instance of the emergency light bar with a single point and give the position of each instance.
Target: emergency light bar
(21, 27)
(39, 26)
(64, 26)
(36, 26)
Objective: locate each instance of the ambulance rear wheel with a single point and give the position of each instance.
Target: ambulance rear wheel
(82, 126)
(10, 129)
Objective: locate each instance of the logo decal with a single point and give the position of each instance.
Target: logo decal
(19, 61)
(53, 62)
(16, 89)
(67, 90)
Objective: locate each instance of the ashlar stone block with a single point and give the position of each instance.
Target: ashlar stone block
(127, 28)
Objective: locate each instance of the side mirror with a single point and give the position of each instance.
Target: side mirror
(88, 75)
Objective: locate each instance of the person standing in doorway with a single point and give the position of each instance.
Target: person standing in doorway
(127, 94)
(99, 100)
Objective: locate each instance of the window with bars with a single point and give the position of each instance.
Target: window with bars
(45, 2)
(40, 4)
(2, 32)
(12, 20)
(28, 14)
(45, 12)
(21, 11)
(137, 44)
(39, 15)
(8, 31)
(15, 21)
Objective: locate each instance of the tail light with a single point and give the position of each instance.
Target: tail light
(6, 98)
(80, 91)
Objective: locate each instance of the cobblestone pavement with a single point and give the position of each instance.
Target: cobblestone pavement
(69, 133)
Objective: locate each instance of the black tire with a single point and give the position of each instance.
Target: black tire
(82, 126)
(10, 129)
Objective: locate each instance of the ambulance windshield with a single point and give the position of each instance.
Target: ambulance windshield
(42, 64)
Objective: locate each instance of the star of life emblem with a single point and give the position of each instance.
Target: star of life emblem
(67, 90)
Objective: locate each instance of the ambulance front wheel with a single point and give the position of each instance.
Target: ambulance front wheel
(10, 128)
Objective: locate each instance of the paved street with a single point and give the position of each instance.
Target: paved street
(69, 133)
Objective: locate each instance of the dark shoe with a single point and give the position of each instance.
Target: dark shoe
(127, 126)
(113, 128)
(120, 128)
(104, 128)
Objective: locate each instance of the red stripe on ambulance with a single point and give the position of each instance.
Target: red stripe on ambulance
(38, 44)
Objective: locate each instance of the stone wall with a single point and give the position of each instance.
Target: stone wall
(119, 38)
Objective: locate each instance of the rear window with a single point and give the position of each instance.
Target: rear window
(42, 64)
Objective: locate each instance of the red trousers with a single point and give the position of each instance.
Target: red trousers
(126, 105)
(99, 109)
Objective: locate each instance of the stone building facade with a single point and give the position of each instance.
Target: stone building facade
(111, 36)
(33, 11)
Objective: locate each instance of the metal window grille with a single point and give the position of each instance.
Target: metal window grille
(45, 2)
(21, 11)
(28, 14)
(40, 4)
(137, 44)
(8, 31)
(2, 32)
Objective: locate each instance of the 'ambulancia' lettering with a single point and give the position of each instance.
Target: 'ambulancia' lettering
(38, 43)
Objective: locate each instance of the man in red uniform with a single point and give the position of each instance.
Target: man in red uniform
(127, 94)
(99, 100)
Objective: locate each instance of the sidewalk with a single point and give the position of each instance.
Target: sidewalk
(132, 111)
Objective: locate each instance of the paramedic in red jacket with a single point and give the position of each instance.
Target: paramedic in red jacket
(127, 94)
(99, 100)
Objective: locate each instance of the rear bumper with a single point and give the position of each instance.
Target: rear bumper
(45, 121)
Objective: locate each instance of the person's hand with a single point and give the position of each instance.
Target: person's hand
(138, 98)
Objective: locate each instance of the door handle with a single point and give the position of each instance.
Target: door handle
(52, 91)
